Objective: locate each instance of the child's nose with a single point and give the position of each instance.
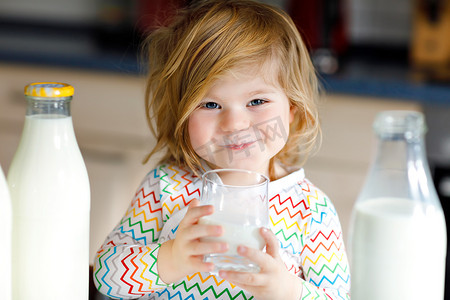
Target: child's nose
(234, 120)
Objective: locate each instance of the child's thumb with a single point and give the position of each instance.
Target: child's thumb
(272, 244)
(195, 202)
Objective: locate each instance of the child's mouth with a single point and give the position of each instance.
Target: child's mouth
(238, 146)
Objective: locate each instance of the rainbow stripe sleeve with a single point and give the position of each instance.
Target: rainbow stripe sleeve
(125, 266)
(323, 257)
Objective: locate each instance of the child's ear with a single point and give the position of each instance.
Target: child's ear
(292, 111)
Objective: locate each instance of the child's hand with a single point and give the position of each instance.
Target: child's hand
(184, 255)
(273, 281)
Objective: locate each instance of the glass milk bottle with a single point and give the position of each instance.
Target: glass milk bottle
(5, 239)
(50, 197)
(398, 232)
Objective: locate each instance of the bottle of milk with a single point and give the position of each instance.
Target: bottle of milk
(50, 196)
(5, 239)
(398, 234)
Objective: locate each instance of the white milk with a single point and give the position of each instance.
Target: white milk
(398, 252)
(5, 239)
(50, 192)
(235, 234)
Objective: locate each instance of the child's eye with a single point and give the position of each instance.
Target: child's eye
(210, 105)
(256, 102)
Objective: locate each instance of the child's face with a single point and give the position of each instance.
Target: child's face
(242, 122)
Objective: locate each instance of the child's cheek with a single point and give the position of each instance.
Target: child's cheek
(200, 132)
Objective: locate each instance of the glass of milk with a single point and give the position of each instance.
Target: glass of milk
(240, 205)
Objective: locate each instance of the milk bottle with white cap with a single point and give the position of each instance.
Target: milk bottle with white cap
(50, 197)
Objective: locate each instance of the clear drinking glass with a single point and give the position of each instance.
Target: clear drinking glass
(240, 205)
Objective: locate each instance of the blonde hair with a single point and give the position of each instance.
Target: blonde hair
(210, 39)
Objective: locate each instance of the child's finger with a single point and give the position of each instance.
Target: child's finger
(263, 259)
(255, 255)
(196, 211)
(202, 266)
(243, 279)
(259, 257)
(272, 243)
(195, 202)
(197, 231)
(201, 248)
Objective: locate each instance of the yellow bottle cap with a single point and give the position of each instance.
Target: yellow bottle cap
(49, 89)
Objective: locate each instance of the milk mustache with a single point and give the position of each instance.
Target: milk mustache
(398, 238)
(51, 202)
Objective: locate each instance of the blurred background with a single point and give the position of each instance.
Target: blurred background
(372, 55)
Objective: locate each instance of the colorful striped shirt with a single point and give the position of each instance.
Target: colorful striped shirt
(301, 216)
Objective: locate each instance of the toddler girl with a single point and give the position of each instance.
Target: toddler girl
(230, 85)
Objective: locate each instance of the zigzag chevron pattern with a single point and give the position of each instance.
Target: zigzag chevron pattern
(301, 216)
